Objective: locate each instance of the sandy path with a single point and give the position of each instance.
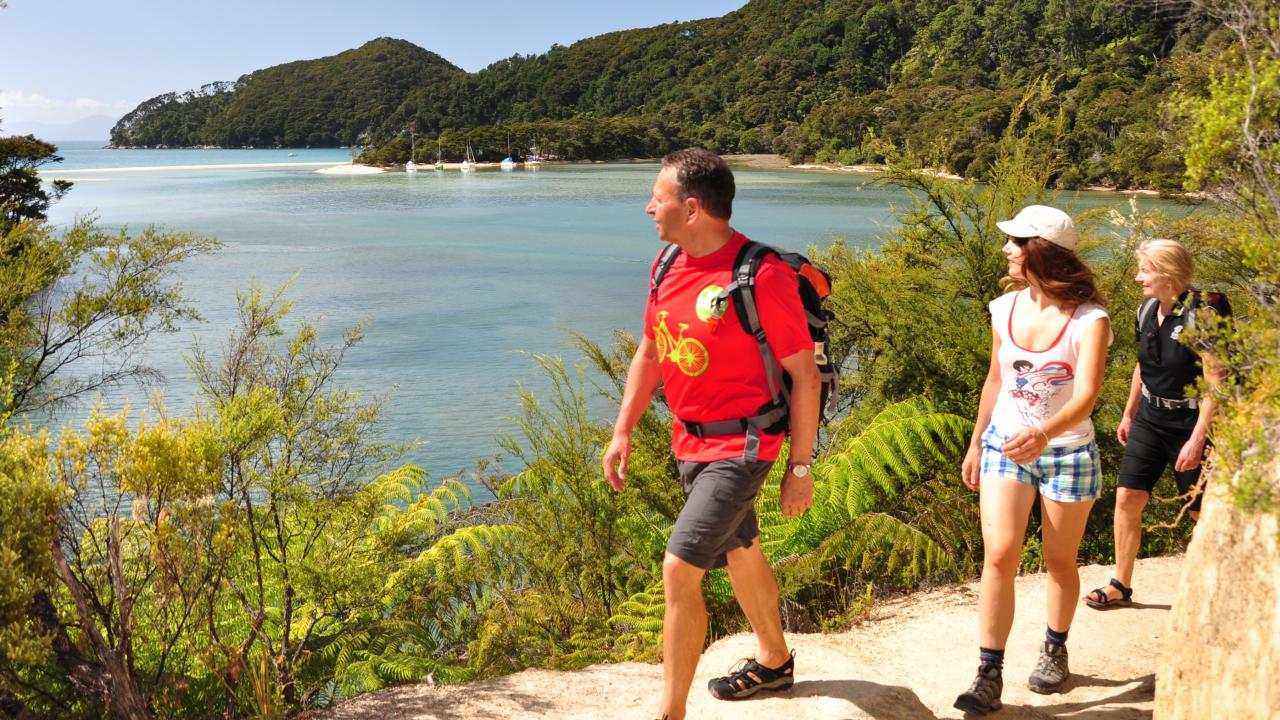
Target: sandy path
(908, 663)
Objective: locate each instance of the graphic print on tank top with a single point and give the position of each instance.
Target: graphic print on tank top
(1036, 384)
(1035, 389)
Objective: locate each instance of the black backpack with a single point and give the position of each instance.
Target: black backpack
(1214, 300)
(815, 287)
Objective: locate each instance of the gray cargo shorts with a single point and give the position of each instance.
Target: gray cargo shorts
(719, 512)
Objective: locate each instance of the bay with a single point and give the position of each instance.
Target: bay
(459, 276)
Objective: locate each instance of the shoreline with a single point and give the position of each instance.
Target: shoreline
(777, 162)
(160, 168)
(761, 161)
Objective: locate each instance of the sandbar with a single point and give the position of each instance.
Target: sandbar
(154, 168)
(349, 169)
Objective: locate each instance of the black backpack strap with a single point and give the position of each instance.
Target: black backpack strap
(665, 260)
(744, 284)
(1144, 310)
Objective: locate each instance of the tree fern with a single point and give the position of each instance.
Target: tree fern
(637, 626)
(408, 511)
(462, 552)
(882, 504)
(391, 652)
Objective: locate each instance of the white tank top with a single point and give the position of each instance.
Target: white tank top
(1035, 385)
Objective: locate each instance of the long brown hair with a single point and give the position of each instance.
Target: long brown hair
(1059, 272)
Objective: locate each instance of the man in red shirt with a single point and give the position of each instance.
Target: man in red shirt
(711, 370)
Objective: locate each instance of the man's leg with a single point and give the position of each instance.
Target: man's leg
(757, 592)
(684, 630)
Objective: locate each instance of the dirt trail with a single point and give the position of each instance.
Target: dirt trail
(908, 663)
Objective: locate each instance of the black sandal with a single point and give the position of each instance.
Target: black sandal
(1098, 598)
(750, 677)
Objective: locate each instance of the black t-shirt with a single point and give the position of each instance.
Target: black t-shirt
(1168, 366)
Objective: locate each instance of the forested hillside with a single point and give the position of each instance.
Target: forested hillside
(325, 102)
(810, 79)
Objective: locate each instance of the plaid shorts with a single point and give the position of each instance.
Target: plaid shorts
(1064, 474)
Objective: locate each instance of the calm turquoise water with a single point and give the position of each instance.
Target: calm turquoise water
(458, 275)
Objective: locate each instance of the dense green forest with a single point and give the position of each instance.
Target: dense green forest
(809, 79)
(268, 554)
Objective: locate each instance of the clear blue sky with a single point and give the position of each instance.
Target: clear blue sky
(65, 60)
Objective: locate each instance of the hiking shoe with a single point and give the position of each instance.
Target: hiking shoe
(1051, 670)
(749, 677)
(983, 696)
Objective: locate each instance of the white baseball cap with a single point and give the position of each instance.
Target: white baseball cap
(1042, 221)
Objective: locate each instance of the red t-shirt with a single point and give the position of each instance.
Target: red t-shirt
(712, 370)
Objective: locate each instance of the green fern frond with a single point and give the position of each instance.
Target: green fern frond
(875, 544)
(879, 508)
(456, 554)
(391, 652)
(636, 627)
(873, 468)
(409, 513)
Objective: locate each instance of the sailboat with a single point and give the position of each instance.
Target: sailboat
(468, 163)
(411, 167)
(507, 163)
(439, 162)
(533, 159)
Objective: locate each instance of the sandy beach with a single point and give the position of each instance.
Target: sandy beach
(224, 166)
(777, 162)
(350, 169)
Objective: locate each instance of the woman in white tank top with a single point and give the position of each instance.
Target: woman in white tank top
(1033, 436)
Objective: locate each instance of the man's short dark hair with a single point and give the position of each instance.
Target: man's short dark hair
(704, 175)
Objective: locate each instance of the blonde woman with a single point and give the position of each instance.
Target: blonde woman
(1034, 437)
(1161, 426)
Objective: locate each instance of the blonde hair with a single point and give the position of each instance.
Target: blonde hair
(1170, 259)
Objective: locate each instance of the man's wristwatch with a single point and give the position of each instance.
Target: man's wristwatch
(800, 470)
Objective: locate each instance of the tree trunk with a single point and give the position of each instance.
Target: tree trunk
(124, 700)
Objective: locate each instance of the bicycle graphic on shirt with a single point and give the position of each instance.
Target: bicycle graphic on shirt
(688, 354)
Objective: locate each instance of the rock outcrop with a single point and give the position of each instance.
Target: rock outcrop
(1222, 652)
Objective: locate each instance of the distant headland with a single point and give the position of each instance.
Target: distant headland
(826, 84)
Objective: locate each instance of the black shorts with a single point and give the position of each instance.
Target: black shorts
(719, 512)
(1152, 448)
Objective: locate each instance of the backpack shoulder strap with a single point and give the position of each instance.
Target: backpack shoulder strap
(1144, 310)
(665, 259)
(745, 267)
(1194, 301)
(743, 285)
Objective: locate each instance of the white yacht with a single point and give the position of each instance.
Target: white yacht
(507, 163)
(469, 162)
